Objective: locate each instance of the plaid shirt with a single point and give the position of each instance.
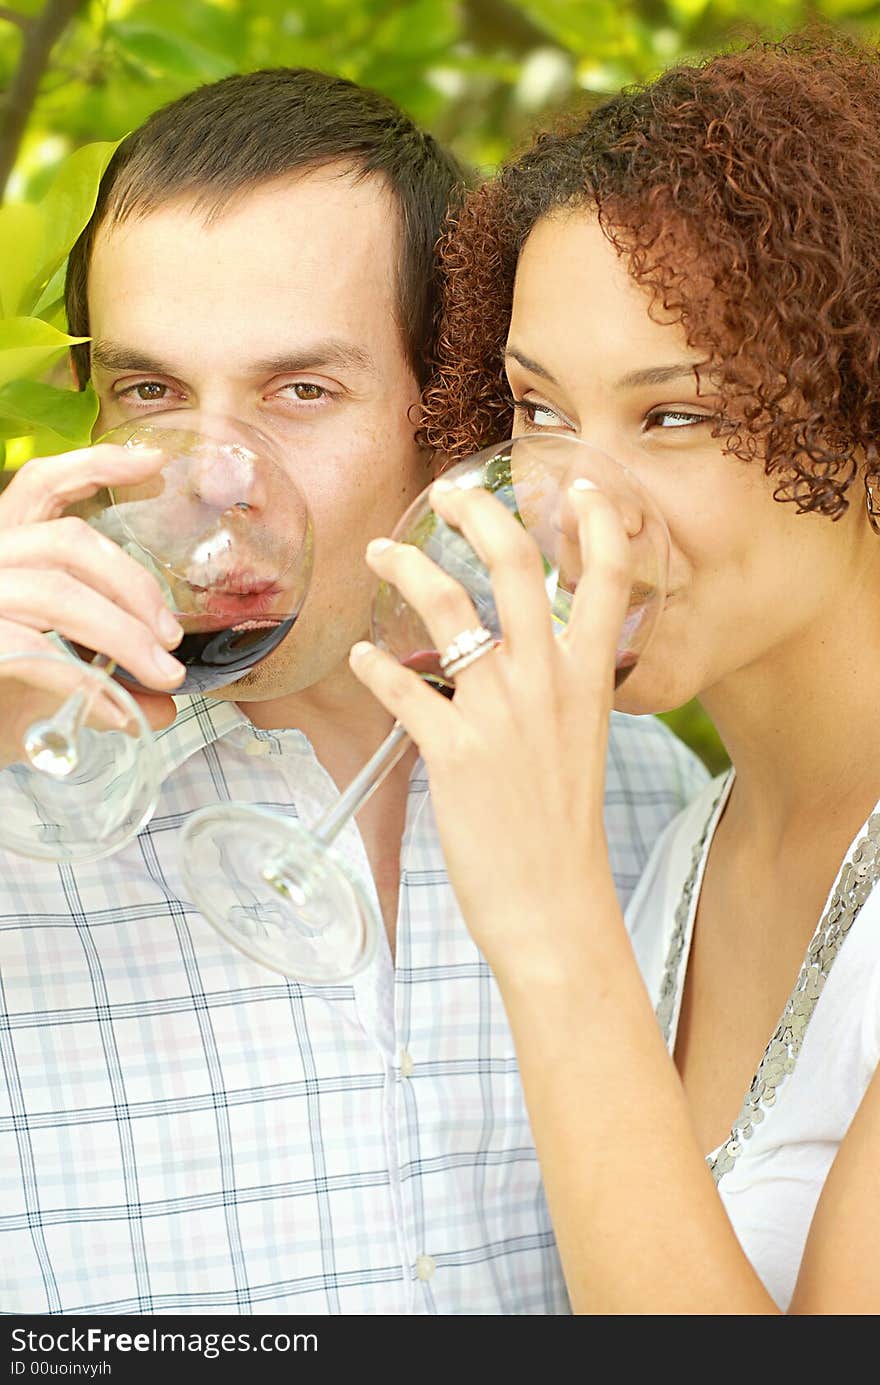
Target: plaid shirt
(184, 1131)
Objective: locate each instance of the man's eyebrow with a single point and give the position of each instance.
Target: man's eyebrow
(318, 355)
(634, 379)
(112, 355)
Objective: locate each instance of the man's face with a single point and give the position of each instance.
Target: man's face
(281, 312)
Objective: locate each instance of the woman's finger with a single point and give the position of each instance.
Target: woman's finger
(88, 619)
(516, 567)
(603, 592)
(45, 486)
(72, 546)
(443, 604)
(428, 717)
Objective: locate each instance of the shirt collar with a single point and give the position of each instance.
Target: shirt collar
(201, 721)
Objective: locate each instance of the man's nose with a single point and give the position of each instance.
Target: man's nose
(225, 476)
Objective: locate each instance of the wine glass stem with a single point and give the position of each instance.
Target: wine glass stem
(363, 786)
(51, 745)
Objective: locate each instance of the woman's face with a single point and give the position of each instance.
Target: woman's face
(755, 590)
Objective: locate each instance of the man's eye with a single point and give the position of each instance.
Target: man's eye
(675, 418)
(146, 390)
(306, 392)
(538, 415)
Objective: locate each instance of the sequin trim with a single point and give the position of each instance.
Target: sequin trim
(858, 876)
(669, 985)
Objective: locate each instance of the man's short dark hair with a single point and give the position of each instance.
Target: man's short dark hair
(251, 128)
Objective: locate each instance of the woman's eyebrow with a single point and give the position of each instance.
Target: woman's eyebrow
(659, 375)
(634, 379)
(513, 353)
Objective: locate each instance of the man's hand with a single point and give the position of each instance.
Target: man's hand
(58, 574)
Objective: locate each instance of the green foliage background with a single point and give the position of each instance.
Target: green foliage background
(77, 75)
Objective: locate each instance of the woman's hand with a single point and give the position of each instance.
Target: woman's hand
(57, 573)
(517, 759)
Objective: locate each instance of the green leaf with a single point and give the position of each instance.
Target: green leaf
(35, 240)
(42, 443)
(162, 54)
(69, 203)
(694, 726)
(53, 294)
(28, 346)
(591, 27)
(21, 248)
(417, 30)
(29, 405)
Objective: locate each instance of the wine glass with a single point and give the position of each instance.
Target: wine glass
(275, 888)
(227, 534)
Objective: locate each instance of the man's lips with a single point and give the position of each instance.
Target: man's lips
(239, 598)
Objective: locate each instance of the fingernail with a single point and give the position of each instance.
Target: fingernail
(170, 629)
(168, 666)
(444, 485)
(358, 650)
(377, 546)
(581, 483)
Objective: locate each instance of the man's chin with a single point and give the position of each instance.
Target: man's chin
(251, 687)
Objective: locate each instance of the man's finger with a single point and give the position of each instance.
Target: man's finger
(45, 486)
(72, 546)
(88, 619)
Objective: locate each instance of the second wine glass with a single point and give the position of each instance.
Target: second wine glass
(276, 889)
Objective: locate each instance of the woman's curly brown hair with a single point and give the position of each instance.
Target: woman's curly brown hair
(744, 196)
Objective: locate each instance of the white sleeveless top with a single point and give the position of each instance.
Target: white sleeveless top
(819, 1061)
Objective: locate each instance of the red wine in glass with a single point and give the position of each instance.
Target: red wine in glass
(215, 652)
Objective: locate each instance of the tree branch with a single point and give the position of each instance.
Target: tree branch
(490, 23)
(13, 17)
(40, 37)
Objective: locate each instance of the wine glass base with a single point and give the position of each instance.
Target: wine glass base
(71, 792)
(274, 891)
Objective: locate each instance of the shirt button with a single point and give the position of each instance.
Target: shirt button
(406, 1063)
(425, 1266)
(257, 747)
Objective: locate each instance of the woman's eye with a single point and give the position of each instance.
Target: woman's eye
(538, 415)
(675, 418)
(305, 392)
